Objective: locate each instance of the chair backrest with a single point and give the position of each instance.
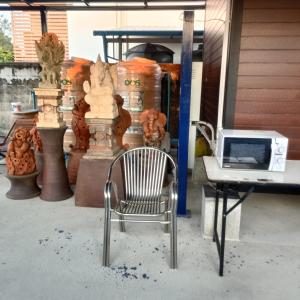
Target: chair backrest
(144, 171)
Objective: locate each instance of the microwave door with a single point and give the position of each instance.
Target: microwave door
(247, 153)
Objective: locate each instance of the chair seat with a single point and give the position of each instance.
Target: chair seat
(141, 208)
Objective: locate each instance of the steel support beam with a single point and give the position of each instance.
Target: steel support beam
(152, 39)
(44, 26)
(101, 8)
(184, 107)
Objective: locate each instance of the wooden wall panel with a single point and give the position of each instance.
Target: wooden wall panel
(26, 27)
(271, 4)
(263, 56)
(212, 52)
(274, 108)
(270, 43)
(271, 95)
(270, 15)
(271, 29)
(266, 69)
(268, 83)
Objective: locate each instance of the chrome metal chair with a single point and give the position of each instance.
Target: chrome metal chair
(144, 170)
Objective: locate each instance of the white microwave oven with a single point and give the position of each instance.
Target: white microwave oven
(251, 149)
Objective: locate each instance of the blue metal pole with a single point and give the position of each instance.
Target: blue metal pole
(105, 46)
(184, 107)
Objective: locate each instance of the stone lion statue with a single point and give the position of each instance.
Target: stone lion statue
(20, 157)
(50, 52)
(153, 123)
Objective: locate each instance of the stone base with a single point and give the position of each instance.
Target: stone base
(91, 178)
(73, 165)
(102, 141)
(208, 212)
(23, 187)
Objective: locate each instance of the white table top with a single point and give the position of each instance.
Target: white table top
(291, 176)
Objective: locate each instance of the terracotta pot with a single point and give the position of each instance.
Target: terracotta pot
(23, 187)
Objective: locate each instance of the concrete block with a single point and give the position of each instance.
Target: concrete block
(207, 215)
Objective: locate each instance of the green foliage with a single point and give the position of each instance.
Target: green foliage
(6, 47)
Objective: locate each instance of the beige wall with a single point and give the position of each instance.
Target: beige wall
(81, 25)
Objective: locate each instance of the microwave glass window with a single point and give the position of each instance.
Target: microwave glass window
(247, 153)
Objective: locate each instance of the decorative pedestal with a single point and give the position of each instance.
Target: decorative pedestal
(49, 100)
(91, 179)
(102, 140)
(39, 166)
(55, 178)
(73, 165)
(23, 187)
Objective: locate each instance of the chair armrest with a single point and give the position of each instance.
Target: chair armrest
(110, 186)
(173, 196)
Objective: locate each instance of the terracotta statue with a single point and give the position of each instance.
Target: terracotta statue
(153, 123)
(20, 157)
(50, 52)
(35, 137)
(79, 126)
(99, 93)
(123, 122)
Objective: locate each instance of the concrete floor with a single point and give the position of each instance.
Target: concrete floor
(54, 251)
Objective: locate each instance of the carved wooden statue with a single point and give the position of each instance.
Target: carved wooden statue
(79, 126)
(123, 122)
(153, 123)
(50, 52)
(20, 157)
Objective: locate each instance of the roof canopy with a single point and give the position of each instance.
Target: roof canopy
(60, 5)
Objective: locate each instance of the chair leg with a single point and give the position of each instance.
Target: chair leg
(173, 240)
(166, 226)
(121, 224)
(106, 240)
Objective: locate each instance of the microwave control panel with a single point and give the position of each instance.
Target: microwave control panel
(280, 152)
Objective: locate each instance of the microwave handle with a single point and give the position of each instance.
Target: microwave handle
(201, 125)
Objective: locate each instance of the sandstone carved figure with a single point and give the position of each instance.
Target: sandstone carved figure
(123, 122)
(153, 123)
(20, 157)
(99, 92)
(79, 126)
(50, 52)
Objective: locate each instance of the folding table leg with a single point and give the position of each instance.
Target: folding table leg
(216, 213)
(223, 230)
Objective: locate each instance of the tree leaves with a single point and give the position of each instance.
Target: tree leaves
(6, 47)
